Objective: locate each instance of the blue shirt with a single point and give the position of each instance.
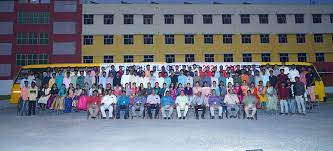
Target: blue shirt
(223, 79)
(59, 80)
(166, 100)
(62, 92)
(123, 100)
(214, 100)
(167, 81)
(207, 79)
(139, 100)
(182, 79)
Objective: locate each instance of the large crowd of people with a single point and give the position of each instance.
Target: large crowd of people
(138, 91)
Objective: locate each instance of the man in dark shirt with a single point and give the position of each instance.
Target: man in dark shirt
(272, 79)
(299, 90)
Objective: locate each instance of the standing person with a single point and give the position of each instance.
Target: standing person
(167, 103)
(24, 101)
(206, 79)
(59, 79)
(231, 100)
(108, 102)
(293, 73)
(189, 79)
(174, 78)
(283, 96)
(67, 79)
(310, 79)
(250, 102)
(167, 80)
(271, 97)
(299, 91)
(52, 80)
(22, 82)
(93, 104)
(262, 94)
(123, 104)
(74, 78)
(80, 80)
(102, 80)
(182, 78)
(139, 102)
(199, 103)
(272, 79)
(109, 80)
(160, 80)
(215, 102)
(153, 102)
(291, 100)
(182, 104)
(196, 78)
(282, 77)
(229, 79)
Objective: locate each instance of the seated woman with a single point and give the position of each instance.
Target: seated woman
(271, 98)
(54, 93)
(44, 96)
(93, 105)
(69, 98)
(82, 101)
(59, 100)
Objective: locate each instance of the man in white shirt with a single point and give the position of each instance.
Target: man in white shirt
(189, 79)
(125, 79)
(285, 68)
(160, 80)
(102, 80)
(293, 72)
(108, 102)
(153, 102)
(231, 100)
(229, 79)
(182, 104)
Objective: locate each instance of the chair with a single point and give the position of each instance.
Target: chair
(138, 110)
(152, 110)
(240, 107)
(107, 110)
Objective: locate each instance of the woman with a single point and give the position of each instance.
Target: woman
(54, 93)
(100, 90)
(142, 90)
(59, 100)
(76, 97)
(69, 99)
(173, 91)
(83, 100)
(45, 95)
(134, 89)
(238, 91)
(197, 88)
(271, 98)
(118, 90)
(262, 94)
(244, 89)
(179, 88)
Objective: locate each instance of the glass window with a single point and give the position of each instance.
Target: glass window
(148, 58)
(128, 58)
(43, 38)
(189, 39)
(43, 59)
(207, 19)
(88, 19)
(108, 59)
(264, 38)
(128, 19)
(284, 57)
(189, 58)
(266, 57)
(263, 19)
(169, 39)
(246, 38)
(245, 18)
(316, 18)
(228, 58)
(108, 39)
(281, 18)
(147, 19)
(168, 19)
(32, 59)
(208, 38)
(227, 38)
(88, 59)
(108, 19)
(318, 38)
(169, 58)
(283, 38)
(320, 57)
(88, 40)
(148, 39)
(302, 57)
(226, 18)
(299, 18)
(188, 19)
(128, 39)
(33, 38)
(300, 38)
(20, 59)
(247, 57)
(209, 58)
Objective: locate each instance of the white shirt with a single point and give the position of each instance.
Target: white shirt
(124, 79)
(292, 74)
(230, 79)
(132, 79)
(231, 99)
(189, 79)
(214, 79)
(109, 99)
(145, 81)
(160, 81)
(286, 69)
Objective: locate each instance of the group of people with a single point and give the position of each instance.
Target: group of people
(137, 91)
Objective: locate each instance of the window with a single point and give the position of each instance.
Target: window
(320, 57)
(128, 58)
(189, 58)
(208, 39)
(246, 38)
(168, 19)
(21, 38)
(188, 19)
(247, 57)
(207, 19)
(33, 17)
(283, 38)
(284, 57)
(32, 38)
(266, 57)
(302, 57)
(300, 38)
(108, 59)
(209, 57)
(108, 39)
(227, 38)
(20, 60)
(264, 38)
(43, 38)
(228, 58)
(88, 19)
(43, 59)
(31, 59)
(263, 19)
(331, 18)
(148, 58)
(147, 19)
(88, 40)
(108, 19)
(299, 18)
(169, 58)
(318, 38)
(189, 39)
(281, 18)
(88, 59)
(169, 39)
(316, 18)
(245, 18)
(148, 39)
(128, 19)
(128, 39)
(226, 18)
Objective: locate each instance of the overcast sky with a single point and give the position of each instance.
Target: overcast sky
(222, 1)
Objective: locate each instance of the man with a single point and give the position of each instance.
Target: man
(199, 103)
(160, 80)
(283, 92)
(93, 104)
(299, 91)
(25, 78)
(32, 93)
(189, 79)
(229, 79)
(272, 79)
(182, 78)
(215, 102)
(138, 103)
(108, 102)
(147, 71)
(102, 80)
(79, 81)
(206, 79)
(123, 104)
(125, 78)
(167, 80)
(74, 78)
(310, 83)
(250, 102)
(167, 105)
(67, 79)
(182, 104)
(197, 78)
(231, 100)
(282, 77)
(293, 73)
(285, 68)
(153, 102)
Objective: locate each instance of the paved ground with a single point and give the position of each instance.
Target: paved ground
(73, 131)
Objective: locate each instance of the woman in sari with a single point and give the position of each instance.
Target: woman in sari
(262, 94)
(173, 91)
(44, 96)
(271, 98)
(244, 89)
(69, 98)
(54, 93)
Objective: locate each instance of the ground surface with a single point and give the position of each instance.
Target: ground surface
(73, 131)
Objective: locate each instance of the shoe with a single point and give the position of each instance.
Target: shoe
(103, 117)
(248, 118)
(110, 118)
(252, 118)
(169, 118)
(220, 117)
(184, 117)
(281, 113)
(180, 118)
(285, 113)
(212, 117)
(165, 118)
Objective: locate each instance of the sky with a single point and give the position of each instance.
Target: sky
(224, 1)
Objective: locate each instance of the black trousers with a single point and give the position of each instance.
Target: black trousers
(32, 108)
(153, 106)
(196, 109)
(122, 107)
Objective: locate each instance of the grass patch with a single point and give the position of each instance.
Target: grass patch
(4, 97)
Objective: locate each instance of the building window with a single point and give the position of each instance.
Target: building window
(189, 39)
(228, 58)
(227, 38)
(283, 38)
(168, 19)
(208, 39)
(207, 19)
(281, 18)
(189, 58)
(331, 18)
(226, 18)
(108, 59)
(128, 19)
(318, 38)
(284, 57)
(128, 39)
(264, 38)
(33, 17)
(88, 19)
(88, 59)
(169, 39)
(263, 19)
(43, 59)
(32, 38)
(108, 19)
(209, 58)
(27, 59)
(43, 38)
(169, 58)
(246, 38)
(88, 40)
(320, 57)
(20, 59)
(245, 18)
(108, 39)
(188, 19)
(266, 57)
(247, 57)
(128, 58)
(148, 39)
(300, 38)
(316, 18)
(147, 19)
(148, 58)
(302, 57)
(299, 18)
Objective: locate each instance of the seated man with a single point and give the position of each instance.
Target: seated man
(93, 104)
(123, 104)
(250, 102)
(215, 102)
(199, 103)
(231, 100)
(153, 102)
(167, 104)
(108, 102)
(138, 103)
(182, 104)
